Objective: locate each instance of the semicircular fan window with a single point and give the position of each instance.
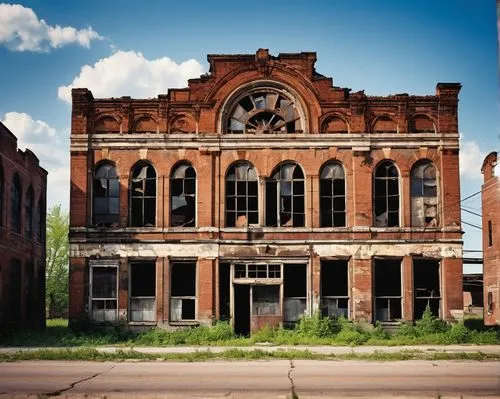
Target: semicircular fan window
(265, 110)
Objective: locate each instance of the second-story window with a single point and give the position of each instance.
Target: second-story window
(386, 195)
(183, 196)
(143, 196)
(332, 195)
(242, 205)
(285, 202)
(106, 196)
(28, 213)
(424, 195)
(15, 204)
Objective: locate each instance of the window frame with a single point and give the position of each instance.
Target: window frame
(116, 216)
(110, 265)
(194, 196)
(173, 298)
(143, 199)
(236, 196)
(333, 196)
(420, 167)
(139, 298)
(386, 179)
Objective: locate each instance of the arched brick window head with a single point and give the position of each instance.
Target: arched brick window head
(386, 195)
(285, 202)
(332, 196)
(106, 196)
(242, 203)
(143, 196)
(424, 195)
(183, 196)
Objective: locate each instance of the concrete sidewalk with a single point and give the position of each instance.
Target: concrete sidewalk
(327, 350)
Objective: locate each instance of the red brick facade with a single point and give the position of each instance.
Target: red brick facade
(491, 244)
(293, 177)
(23, 189)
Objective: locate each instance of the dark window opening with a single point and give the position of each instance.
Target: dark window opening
(15, 210)
(142, 291)
(426, 285)
(14, 297)
(224, 291)
(334, 288)
(183, 291)
(490, 302)
(28, 213)
(106, 196)
(104, 293)
(386, 195)
(242, 202)
(424, 195)
(183, 196)
(266, 300)
(295, 292)
(332, 196)
(285, 201)
(490, 233)
(387, 289)
(143, 196)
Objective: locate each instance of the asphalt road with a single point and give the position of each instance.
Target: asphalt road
(257, 379)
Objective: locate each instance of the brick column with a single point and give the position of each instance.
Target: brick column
(361, 189)
(362, 290)
(205, 291)
(407, 288)
(123, 276)
(77, 297)
(452, 280)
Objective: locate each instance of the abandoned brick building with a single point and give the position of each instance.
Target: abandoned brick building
(23, 189)
(260, 193)
(490, 201)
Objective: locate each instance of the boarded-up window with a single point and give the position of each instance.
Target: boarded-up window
(285, 201)
(106, 195)
(424, 195)
(332, 196)
(107, 124)
(386, 195)
(182, 291)
(143, 196)
(421, 124)
(183, 196)
(242, 195)
(334, 124)
(384, 124)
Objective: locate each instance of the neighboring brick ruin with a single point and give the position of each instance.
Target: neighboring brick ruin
(262, 192)
(23, 190)
(490, 201)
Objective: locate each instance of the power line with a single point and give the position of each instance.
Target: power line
(472, 213)
(472, 225)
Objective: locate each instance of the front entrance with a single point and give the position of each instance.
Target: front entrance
(242, 306)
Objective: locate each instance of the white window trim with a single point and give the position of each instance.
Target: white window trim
(109, 264)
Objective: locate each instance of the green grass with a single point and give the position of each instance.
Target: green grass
(315, 330)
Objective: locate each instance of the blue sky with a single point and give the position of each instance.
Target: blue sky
(382, 47)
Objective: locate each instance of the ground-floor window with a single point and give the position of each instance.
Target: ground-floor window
(142, 297)
(183, 291)
(334, 288)
(387, 289)
(295, 292)
(103, 292)
(426, 285)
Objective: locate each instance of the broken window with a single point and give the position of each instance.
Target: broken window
(242, 196)
(266, 110)
(183, 196)
(143, 196)
(334, 288)
(15, 207)
(28, 213)
(106, 193)
(426, 285)
(285, 202)
(386, 195)
(103, 292)
(424, 195)
(387, 289)
(257, 271)
(332, 195)
(295, 292)
(40, 221)
(142, 291)
(183, 291)
(266, 300)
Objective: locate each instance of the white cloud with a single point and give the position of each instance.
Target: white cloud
(128, 73)
(21, 30)
(51, 148)
(471, 159)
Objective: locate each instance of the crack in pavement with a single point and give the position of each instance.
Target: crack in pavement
(72, 385)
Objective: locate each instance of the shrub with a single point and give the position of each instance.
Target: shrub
(317, 326)
(430, 324)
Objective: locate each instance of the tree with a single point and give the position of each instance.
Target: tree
(56, 289)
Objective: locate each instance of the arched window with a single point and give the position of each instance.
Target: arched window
(242, 205)
(332, 195)
(285, 204)
(183, 196)
(106, 196)
(143, 196)
(386, 195)
(15, 204)
(29, 205)
(424, 195)
(40, 220)
(2, 184)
